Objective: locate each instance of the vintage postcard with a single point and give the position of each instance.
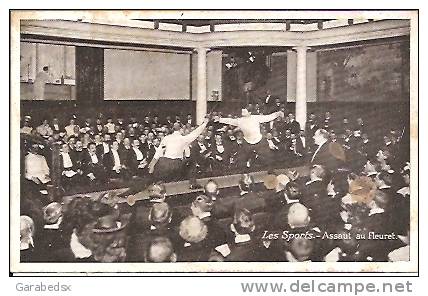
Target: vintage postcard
(167, 141)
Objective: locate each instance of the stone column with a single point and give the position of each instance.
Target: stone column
(201, 91)
(301, 86)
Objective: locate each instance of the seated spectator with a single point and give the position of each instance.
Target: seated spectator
(70, 167)
(193, 233)
(97, 233)
(27, 248)
(211, 189)
(26, 125)
(115, 162)
(401, 253)
(92, 167)
(293, 125)
(328, 154)
(36, 167)
(219, 154)
(247, 199)
(160, 250)
(111, 127)
(383, 181)
(70, 129)
(52, 235)
(44, 129)
(137, 161)
(244, 247)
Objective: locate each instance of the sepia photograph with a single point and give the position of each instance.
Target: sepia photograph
(214, 141)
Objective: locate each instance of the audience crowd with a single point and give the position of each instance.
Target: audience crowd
(356, 211)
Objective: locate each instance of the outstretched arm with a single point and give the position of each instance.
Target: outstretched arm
(158, 154)
(231, 121)
(269, 117)
(196, 132)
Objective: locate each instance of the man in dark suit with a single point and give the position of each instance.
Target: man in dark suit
(244, 247)
(293, 125)
(92, 166)
(311, 127)
(161, 221)
(137, 162)
(115, 162)
(194, 244)
(199, 159)
(328, 154)
(220, 154)
(247, 199)
(239, 154)
(201, 207)
(70, 167)
(269, 103)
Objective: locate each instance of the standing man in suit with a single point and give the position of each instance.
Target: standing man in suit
(328, 154)
(293, 125)
(42, 78)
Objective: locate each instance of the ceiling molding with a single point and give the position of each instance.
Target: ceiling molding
(141, 36)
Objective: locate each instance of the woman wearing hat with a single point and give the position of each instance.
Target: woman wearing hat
(97, 233)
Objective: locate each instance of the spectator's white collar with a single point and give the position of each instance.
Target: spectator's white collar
(291, 258)
(240, 238)
(54, 226)
(77, 248)
(204, 215)
(313, 180)
(376, 210)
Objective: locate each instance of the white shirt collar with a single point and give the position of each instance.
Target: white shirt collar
(312, 181)
(318, 149)
(54, 226)
(204, 215)
(291, 258)
(79, 250)
(25, 245)
(376, 210)
(372, 173)
(240, 238)
(289, 200)
(404, 191)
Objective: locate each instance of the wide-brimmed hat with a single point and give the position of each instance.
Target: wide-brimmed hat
(362, 189)
(282, 180)
(111, 223)
(270, 181)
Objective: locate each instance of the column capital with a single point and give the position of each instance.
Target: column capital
(301, 48)
(201, 49)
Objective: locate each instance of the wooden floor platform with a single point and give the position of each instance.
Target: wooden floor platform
(182, 187)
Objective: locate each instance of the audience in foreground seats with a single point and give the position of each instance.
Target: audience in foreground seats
(355, 194)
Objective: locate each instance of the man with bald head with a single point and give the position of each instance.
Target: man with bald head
(168, 159)
(211, 189)
(160, 250)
